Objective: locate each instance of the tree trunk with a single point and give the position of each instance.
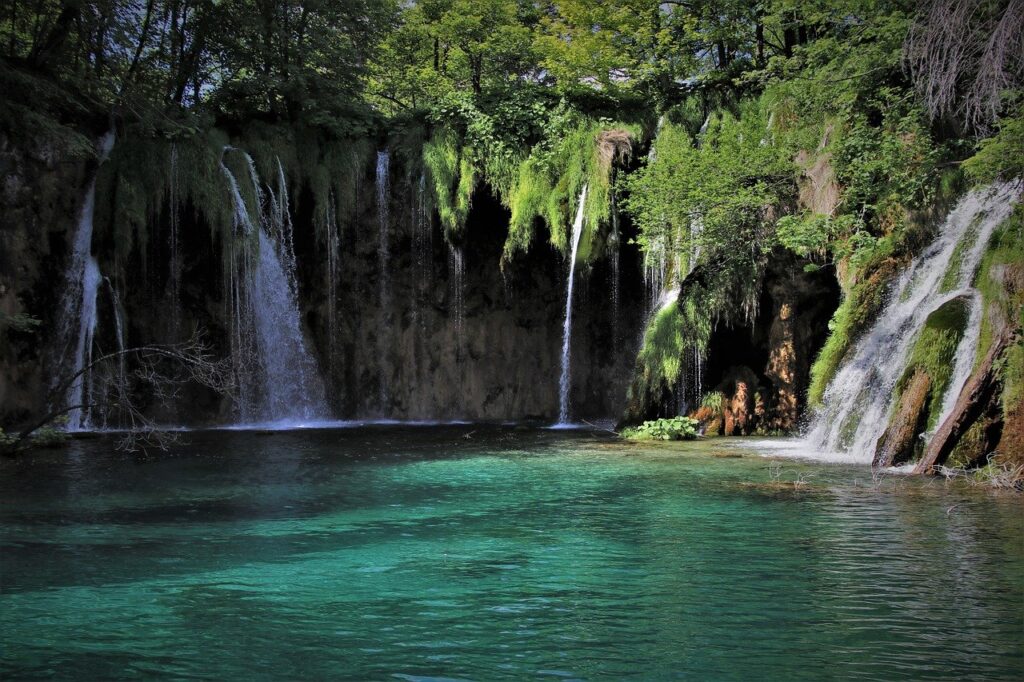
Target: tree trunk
(143, 39)
(973, 399)
(897, 443)
(44, 49)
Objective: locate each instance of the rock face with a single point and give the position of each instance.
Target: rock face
(739, 390)
(38, 203)
(488, 349)
(469, 341)
(775, 351)
(819, 191)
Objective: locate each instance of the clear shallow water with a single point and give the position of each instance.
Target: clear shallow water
(409, 553)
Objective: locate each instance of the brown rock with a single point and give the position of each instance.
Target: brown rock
(897, 443)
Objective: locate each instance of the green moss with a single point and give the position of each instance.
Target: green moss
(970, 447)
(934, 352)
(549, 181)
(675, 332)
(528, 200)
(452, 177)
(1002, 155)
(1000, 280)
(952, 275)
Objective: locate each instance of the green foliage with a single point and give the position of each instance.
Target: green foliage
(1000, 280)
(1002, 155)
(37, 110)
(453, 177)
(674, 428)
(863, 300)
(19, 322)
(51, 435)
(710, 193)
(551, 180)
(674, 332)
(665, 340)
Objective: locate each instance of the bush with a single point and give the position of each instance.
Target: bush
(676, 428)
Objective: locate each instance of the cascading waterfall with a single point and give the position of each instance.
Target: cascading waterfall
(80, 394)
(696, 228)
(655, 268)
(860, 398)
(564, 379)
(115, 305)
(383, 182)
(277, 377)
(78, 321)
(422, 238)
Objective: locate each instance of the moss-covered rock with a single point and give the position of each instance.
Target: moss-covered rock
(934, 353)
(1000, 280)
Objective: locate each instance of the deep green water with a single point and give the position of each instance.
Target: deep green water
(412, 553)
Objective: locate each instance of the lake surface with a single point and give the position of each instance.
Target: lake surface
(473, 552)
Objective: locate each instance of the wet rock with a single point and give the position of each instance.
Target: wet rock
(898, 442)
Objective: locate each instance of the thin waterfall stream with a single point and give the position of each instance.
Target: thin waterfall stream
(565, 378)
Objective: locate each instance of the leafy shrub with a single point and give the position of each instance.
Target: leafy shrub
(713, 401)
(675, 428)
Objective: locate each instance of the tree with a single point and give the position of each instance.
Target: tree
(965, 56)
(158, 372)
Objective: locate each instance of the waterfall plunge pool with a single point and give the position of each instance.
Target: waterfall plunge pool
(390, 552)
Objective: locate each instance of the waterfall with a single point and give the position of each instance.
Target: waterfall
(383, 182)
(115, 305)
(564, 379)
(422, 248)
(77, 325)
(858, 401)
(80, 393)
(696, 228)
(277, 377)
(457, 292)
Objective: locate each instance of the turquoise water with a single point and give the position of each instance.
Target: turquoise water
(400, 553)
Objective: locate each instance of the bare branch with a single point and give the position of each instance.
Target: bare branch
(963, 55)
(158, 372)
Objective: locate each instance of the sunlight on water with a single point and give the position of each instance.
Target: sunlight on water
(477, 552)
